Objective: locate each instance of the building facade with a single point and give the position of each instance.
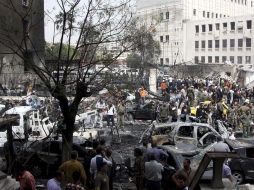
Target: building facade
(21, 27)
(169, 17)
(226, 40)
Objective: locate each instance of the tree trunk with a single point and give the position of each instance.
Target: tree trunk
(67, 140)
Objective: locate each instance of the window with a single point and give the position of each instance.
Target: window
(196, 44)
(167, 15)
(161, 38)
(186, 131)
(232, 59)
(232, 43)
(217, 59)
(232, 26)
(202, 59)
(25, 3)
(240, 43)
(224, 59)
(203, 44)
(167, 38)
(210, 27)
(167, 61)
(203, 28)
(208, 15)
(217, 43)
(239, 59)
(249, 24)
(217, 26)
(161, 61)
(224, 43)
(210, 44)
(212, 15)
(225, 25)
(247, 59)
(248, 42)
(196, 59)
(210, 59)
(197, 28)
(161, 16)
(194, 12)
(216, 15)
(203, 13)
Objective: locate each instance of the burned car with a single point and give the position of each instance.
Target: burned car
(142, 112)
(44, 157)
(242, 168)
(181, 134)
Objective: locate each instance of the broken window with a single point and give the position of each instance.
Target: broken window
(202, 130)
(186, 131)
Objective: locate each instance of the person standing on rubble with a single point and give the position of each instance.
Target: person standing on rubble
(110, 115)
(100, 106)
(139, 169)
(143, 94)
(245, 118)
(120, 115)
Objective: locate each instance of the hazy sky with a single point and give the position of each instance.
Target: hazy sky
(51, 9)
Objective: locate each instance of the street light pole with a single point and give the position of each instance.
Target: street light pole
(54, 22)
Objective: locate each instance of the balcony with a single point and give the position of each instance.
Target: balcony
(248, 48)
(232, 49)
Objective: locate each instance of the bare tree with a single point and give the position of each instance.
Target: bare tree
(86, 27)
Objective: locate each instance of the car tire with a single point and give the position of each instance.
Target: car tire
(238, 176)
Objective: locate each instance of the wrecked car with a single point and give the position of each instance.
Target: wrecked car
(181, 134)
(142, 112)
(242, 168)
(44, 157)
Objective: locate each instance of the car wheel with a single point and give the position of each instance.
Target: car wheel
(238, 176)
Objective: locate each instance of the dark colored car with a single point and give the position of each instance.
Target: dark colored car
(142, 112)
(242, 168)
(43, 158)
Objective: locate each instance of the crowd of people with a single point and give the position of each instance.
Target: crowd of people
(207, 101)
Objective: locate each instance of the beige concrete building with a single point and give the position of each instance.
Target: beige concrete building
(19, 18)
(168, 19)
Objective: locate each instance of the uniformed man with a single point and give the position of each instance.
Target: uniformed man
(245, 117)
(164, 112)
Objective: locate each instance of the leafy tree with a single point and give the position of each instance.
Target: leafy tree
(134, 60)
(51, 51)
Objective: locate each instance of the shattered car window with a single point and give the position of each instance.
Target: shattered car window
(186, 131)
(163, 130)
(202, 130)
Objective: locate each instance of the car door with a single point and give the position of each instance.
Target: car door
(143, 112)
(205, 135)
(161, 135)
(185, 135)
(248, 163)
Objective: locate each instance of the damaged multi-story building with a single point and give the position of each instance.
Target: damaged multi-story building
(21, 31)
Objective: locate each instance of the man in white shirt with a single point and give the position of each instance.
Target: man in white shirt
(55, 183)
(221, 147)
(110, 115)
(153, 173)
(97, 161)
(100, 106)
